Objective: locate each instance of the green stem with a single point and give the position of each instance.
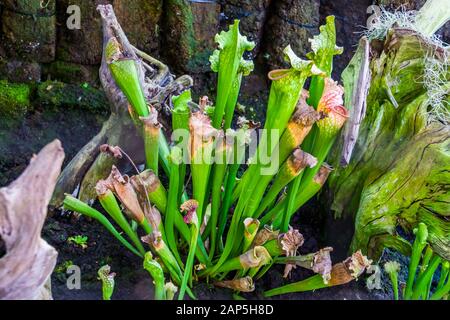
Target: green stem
(218, 176)
(164, 152)
(152, 133)
(273, 248)
(419, 244)
(394, 280)
(291, 198)
(310, 284)
(158, 195)
(171, 263)
(73, 204)
(190, 259)
(232, 101)
(423, 280)
(156, 272)
(441, 292)
(111, 206)
(286, 174)
(238, 157)
(180, 124)
(172, 205)
(445, 267)
(276, 214)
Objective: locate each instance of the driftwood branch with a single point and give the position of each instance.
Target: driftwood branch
(89, 166)
(357, 103)
(29, 260)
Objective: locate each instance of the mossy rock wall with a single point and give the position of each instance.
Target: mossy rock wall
(29, 29)
(252, 14)
(189, 29)
(84, 45)
(293, 23)
(140, 20)
(179, 32)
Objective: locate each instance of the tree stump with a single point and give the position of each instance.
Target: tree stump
(26, 267)
(399, 173)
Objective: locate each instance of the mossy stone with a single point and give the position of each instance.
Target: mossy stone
(252, 15)
(84, 45)
(293, 23)
(29, 30)
(71, 72)
(140, 22)
(20, 71)
(62, 95)
(189, 29)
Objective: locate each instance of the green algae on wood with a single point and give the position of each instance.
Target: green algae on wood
(399, 171)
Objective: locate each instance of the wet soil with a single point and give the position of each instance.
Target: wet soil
(20, 139)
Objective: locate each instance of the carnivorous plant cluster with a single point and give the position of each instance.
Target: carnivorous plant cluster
(199, 220)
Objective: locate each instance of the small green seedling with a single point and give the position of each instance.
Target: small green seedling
(62, 268)
(79, 240)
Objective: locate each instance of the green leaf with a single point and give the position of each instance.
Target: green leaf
(126, 76)
(246, 67)
(214, 60)
(180, 102)
(228, 62)
(432, 16)
(324, 46)
(301, 65)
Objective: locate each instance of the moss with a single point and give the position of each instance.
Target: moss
(139, 19)
(30, 36)
(71, 72)
(399, 172)
(179, 22)
(14, 100)
(61, 95)
(200, 62)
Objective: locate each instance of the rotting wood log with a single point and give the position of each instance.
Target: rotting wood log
(26, 267)
(356, 79)
(89, 165)
(399, 173)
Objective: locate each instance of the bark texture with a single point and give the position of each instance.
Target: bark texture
(29, 260)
